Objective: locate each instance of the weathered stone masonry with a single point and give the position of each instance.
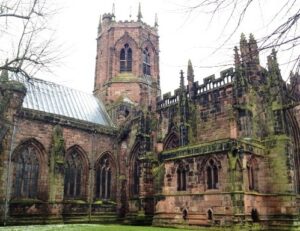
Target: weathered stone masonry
(224, 153)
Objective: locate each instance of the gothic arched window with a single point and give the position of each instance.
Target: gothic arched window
(74, 171)
(252, 174)
(126, 59)
(171, 141)
(146, 62)
(210, 214)
(212, 175)
(181, 178)
(26, 173)
(104, 178)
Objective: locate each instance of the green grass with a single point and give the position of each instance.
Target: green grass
(84, 227)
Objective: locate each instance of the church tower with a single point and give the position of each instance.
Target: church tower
(127, 62)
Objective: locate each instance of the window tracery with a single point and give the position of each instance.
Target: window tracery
(104, 178)
(146, 62)
(212, 178)
(26, 173)
(126, 59)
(74, 171)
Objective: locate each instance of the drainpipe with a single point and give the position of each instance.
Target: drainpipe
(8, 181)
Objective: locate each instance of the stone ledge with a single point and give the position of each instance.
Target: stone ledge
(66, 121)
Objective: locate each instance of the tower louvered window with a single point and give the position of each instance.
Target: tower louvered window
(146, 62)
(126, 59)
(212, 175)
(73, 175)
(26, 171)
(104, 178)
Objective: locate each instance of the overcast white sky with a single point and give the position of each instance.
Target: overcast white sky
(183, 36)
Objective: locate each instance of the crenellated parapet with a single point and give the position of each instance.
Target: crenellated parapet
(210, 84)
(108, 21)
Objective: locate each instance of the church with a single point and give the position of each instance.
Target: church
(223, 153)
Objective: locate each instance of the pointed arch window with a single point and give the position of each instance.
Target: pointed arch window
(126, 59)
(73, 175)
(104, 178)
(26, 173)
(181, 178)
(212, 178)
(252, 175)
(146, 62)
(171, 141)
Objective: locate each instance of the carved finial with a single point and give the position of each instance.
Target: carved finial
(274, 54)
(156, 20)
(130, 12)
(100, 24)
(4, 73)
(272, 59)
(251, 38)
(237, 60)
(139, 16)
(181, 80)
(243, 39)
(113, 11)
(190, 72)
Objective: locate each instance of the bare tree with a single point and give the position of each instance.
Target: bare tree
(25, 36)
(285, 34)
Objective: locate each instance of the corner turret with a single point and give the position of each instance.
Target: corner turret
(11, 97)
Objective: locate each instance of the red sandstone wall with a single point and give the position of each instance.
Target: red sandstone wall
(93, 145)
(113, 37)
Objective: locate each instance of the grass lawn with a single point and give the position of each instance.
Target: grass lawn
(84, 227)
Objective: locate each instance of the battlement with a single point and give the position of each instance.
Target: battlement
(210, 83)
(108, 23)
(108, 20)
(107, 16)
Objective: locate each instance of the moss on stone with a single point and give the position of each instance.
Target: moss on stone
(158, 175)
(75, 202)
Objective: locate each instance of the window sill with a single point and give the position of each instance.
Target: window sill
(104, 202)
(74, 201)
(25, 201)
(212, 190)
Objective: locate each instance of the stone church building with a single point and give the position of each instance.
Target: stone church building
(225, 152)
